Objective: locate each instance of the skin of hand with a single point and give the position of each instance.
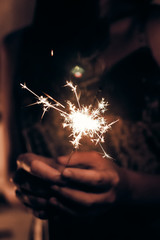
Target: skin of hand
(89, 185)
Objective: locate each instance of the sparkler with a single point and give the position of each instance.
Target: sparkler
(81, 120)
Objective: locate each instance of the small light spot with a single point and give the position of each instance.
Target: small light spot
(52, 53)
(77, 71)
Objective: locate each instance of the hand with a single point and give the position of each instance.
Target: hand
(33, 191)
(93, 184)
(89, 185)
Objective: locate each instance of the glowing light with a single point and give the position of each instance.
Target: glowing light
(77, 71)
(52, 53)
(78, 75)
(82, 120)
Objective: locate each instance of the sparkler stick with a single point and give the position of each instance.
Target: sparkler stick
(68, 160)
(83, 121)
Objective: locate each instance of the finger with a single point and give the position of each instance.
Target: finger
(24, 161)
(88, 177)
(74, 210)
(39, 192)
(84, 198)
(46, 172)
(32, 201)
(31, 184)
(80, 159)
(23, 199)
(59, 206)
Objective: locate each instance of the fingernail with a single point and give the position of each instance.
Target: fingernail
(67, 173)
(23, 165)
(18, 164)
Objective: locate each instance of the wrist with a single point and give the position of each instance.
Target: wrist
(142, 187)
(133, 188)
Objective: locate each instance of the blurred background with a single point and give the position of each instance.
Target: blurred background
(15, 221)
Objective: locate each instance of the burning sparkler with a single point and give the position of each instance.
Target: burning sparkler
(82, 120)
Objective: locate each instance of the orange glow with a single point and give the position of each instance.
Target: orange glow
(52, 53)
(78, 74)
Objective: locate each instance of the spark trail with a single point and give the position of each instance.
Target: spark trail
(81, 120)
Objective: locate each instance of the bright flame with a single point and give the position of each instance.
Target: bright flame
(85, 121)
(82, 120)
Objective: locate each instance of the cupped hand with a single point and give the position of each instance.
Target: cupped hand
(88, 185)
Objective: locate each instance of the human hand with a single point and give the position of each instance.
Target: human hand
(33, 191)
(89, 185)
(92, 184)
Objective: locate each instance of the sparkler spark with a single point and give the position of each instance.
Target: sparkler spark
(82, 120)
(44, 101)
